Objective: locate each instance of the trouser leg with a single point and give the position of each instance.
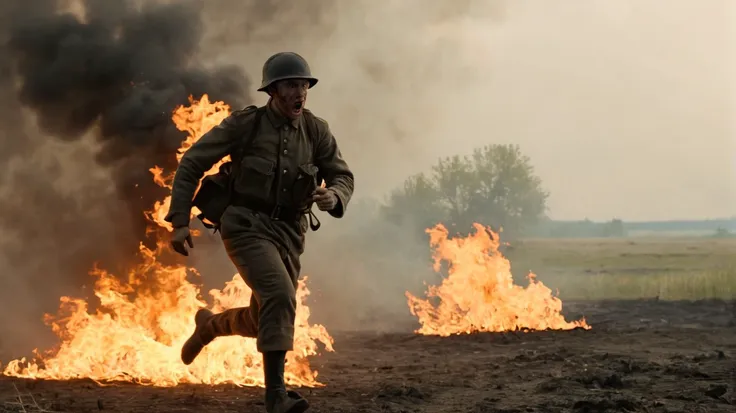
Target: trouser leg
(241, 321)
(270, 275)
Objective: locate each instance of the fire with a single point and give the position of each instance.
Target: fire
(195, 119)
(479, 294)
(137, 333)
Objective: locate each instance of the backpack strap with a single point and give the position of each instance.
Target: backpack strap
(313, 135)
(239, 151)
(312, 129)
(237, 156)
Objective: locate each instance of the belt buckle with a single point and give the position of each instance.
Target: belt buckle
(276, 213)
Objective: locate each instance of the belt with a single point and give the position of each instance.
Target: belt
(275, 212)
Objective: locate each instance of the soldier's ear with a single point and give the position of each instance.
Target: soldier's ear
(271, 90)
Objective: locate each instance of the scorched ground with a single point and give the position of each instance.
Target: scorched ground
(641, 356)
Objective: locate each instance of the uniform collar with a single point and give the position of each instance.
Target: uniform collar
(278, 120)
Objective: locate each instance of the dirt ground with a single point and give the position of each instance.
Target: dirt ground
(640, 356)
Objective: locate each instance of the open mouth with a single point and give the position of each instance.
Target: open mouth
(298, 106)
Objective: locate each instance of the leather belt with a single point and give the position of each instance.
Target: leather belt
(275, 212)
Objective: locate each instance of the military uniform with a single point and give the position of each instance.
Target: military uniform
(263, 228)
(279, 170)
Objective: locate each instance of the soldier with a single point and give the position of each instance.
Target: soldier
(275, 175)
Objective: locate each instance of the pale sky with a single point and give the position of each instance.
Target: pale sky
(625, 106)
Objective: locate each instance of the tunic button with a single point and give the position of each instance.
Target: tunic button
(286, 127)
(285, 151)
(284, 189)
(284, 171)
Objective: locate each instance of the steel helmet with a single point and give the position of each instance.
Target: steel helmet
(285, 65)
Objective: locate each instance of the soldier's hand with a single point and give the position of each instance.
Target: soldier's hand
(179, 237)
(325, 199)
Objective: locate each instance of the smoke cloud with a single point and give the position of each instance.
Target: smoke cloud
(121, 71)
(88, 93)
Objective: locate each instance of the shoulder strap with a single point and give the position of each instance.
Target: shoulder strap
(313, 135)
(237, 156)
(312, 130)
(240, 149)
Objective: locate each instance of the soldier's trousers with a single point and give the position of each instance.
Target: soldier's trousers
(272, 274)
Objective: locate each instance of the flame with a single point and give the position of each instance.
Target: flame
(137, 333)
(195, 119)
(479, 294)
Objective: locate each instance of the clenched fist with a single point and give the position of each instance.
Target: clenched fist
(326, 199)
(179, 237)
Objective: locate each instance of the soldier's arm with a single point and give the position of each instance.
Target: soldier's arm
(198, 159)
(333, 168)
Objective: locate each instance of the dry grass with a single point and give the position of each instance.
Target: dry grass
(705, 285)
(668, 268)
(23, 403)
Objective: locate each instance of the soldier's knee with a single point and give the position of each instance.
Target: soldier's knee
(284, 298)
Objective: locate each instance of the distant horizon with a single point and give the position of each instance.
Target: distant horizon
(375, 201)
(634, 221)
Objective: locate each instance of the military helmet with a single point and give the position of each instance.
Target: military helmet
(285, 65)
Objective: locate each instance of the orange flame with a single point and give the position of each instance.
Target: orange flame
(137, 333)
(479, 294)
(196, 120)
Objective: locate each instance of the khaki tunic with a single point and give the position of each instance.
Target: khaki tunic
(278, 168)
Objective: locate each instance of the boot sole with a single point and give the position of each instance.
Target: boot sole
(199, 319)
(300, 407)
(187, 361)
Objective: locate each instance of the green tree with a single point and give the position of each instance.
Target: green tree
(495, 186)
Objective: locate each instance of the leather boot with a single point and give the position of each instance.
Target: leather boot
(194, 345)
(287, 402)
(278, 400)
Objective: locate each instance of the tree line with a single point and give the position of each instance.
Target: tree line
(495, 186)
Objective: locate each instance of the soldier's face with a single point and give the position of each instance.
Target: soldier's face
(290, 95)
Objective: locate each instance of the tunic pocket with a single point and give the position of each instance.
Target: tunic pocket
(256, 177)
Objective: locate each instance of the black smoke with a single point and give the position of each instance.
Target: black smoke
(122, 71)
(111, 69)
(118, 72)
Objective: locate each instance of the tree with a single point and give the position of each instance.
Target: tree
(495, 186)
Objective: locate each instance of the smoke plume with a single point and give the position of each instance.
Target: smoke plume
(88, 90)
(120, 71)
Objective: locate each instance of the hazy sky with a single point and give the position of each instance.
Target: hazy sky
(625, 107)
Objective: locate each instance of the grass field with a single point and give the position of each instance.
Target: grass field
(668, 268)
